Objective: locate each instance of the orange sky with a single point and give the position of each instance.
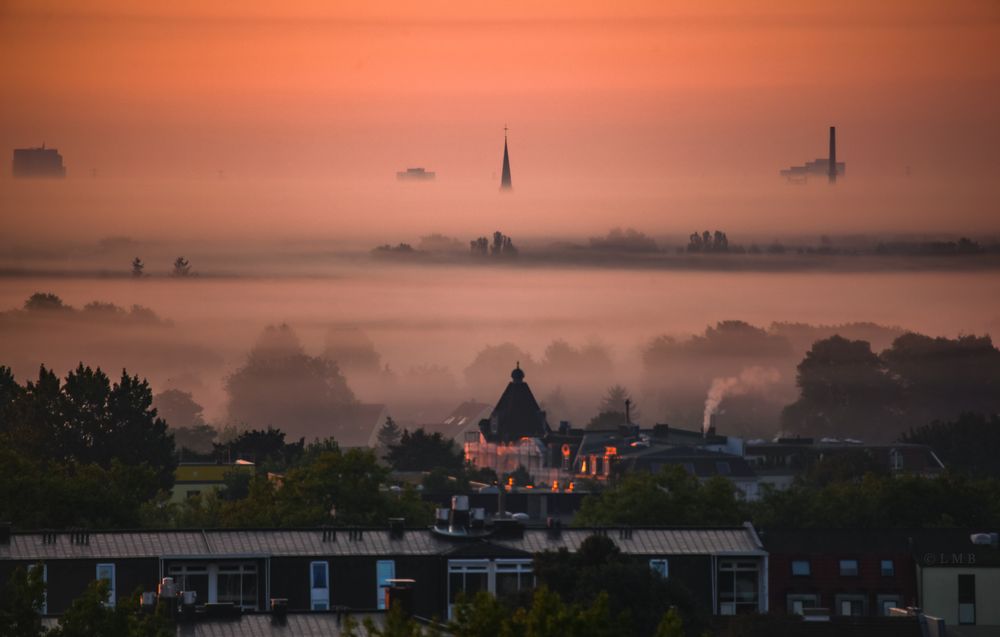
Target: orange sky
(602, 97)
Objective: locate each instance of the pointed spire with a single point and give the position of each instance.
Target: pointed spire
(505, 177)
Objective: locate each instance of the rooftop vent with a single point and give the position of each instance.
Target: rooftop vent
(554, 525)
(49, 537)
(79, 537)
(397, 527)
(625, 533)
(355, 534)
(329, 534)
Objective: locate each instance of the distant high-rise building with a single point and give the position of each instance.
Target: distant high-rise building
(38, 162)
(415, 174)
(505, 177)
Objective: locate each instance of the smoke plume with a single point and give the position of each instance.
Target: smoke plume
(750, 379)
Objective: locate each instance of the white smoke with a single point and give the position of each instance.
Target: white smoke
(751, 379)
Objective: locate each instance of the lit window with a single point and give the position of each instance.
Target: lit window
(888, 568)
(660, 567)
(801, 568)
(848, 567)
(106, 572)
(385, 570)
(319, 583)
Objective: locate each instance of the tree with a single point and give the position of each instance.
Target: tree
(21, 603)
(90, 615)
(263, 447)
(137, 267)
(45, 302)
(670, 497)
(420, 451)
(280, 385)
(616, 399)
(939, 378)
(969, 445)
(182, 267)
(844, 391)
(87, 419)
(389, 434)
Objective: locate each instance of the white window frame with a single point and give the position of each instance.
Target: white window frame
(797, 602)
(882, 600)
(111, 581)
(660, 566)
(385, 570)
(521, 566)
(319, 596)
(241, 569)
(840, 600)
(730, 567)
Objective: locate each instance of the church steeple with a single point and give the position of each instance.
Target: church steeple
(505, 177)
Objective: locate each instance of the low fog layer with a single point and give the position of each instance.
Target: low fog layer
(423, 340)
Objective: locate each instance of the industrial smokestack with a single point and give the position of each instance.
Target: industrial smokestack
(833, 155)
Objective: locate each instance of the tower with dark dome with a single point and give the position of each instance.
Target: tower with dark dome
(516, 415)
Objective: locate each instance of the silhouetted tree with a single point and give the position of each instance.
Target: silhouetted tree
(281, 385)
(45, 302)
(844, 391)
(389, 434)
(968, 445)
(420, 451)
(182, 267)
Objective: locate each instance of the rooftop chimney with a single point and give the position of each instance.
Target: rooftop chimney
(833, 155)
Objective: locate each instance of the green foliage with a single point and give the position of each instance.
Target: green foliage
(389, 434)
(89, 615)
(265, 447)
(881, 502)
(420, 451)
(635, 596)
(21, 603)
(671, 497)
(329, 486)
(970, 444)
(397, 624)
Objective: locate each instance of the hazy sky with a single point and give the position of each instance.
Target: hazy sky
(663, 115)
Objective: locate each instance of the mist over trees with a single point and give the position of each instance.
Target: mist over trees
(281, 385)
(846, 390)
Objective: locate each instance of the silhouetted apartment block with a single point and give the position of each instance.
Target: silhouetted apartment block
(38, 162)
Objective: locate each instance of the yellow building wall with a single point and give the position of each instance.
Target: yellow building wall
(940, 593)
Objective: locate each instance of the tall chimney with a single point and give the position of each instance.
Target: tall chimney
(833, 155)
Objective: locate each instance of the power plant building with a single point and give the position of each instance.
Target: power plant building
(823, 166)
(38, 162)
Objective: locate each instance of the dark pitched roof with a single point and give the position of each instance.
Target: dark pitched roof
(516, 415)
(224, 543)
(358, 426)
(463, 418)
